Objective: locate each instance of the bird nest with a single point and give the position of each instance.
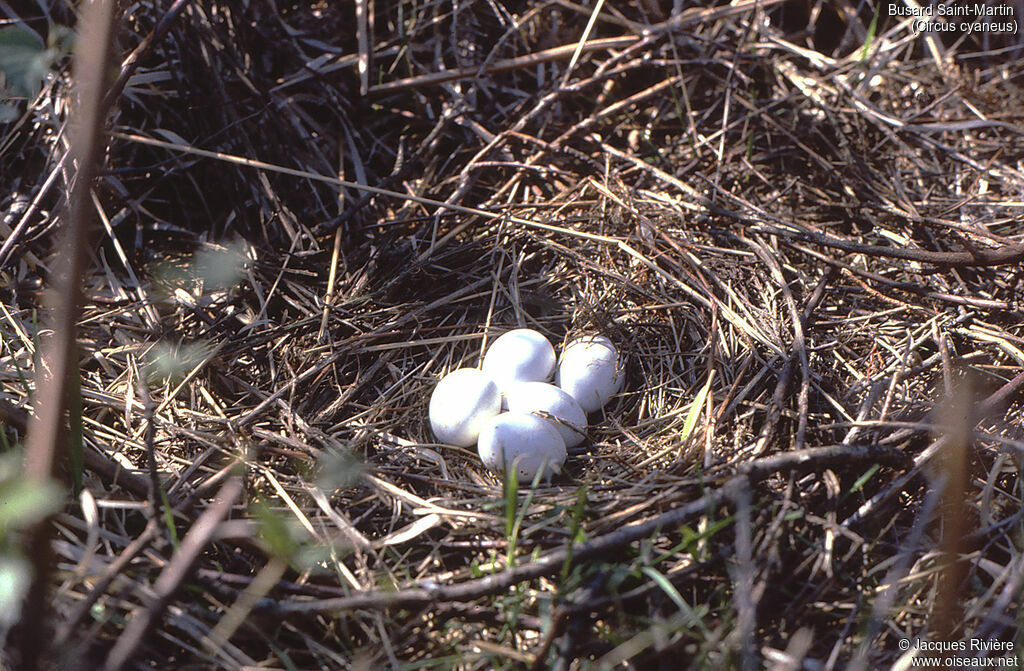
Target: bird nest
(806, 254)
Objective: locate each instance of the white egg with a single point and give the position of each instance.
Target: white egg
(523, 441)
(521, 355)
(541, 398)
(589, 371)
(461, 404)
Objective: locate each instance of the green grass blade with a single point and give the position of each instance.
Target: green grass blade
(863, 480)
(511, 491)
(670, 590)
(870, 36)
(172, 530)
(576, 534)
(694, 412)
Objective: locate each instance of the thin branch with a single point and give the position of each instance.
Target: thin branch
(131, 64)
(974, 256)
(810, 459)
(47, 428)
(172, 577)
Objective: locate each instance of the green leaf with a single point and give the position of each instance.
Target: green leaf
(170, 363)
(511, 487)
(693, 618)
(61, 40)
(694, 412)
(617, 576)
(667, 587)
(318, 558)
(576, 532)
(220, 267)
(863, 480)
(172, 529)
(511, 491)
(23, 59)
(274, 530)
(338, 469)
(15, 575)
(870, 36)
(23, 502)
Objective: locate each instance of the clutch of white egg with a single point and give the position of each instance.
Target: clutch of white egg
(543, 419)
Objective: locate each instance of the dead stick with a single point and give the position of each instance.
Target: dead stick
(131, 64)
(112, 472)
(174, 575)
(552, 563)
(982, 303)
(555, 53)
(689, 17)
(47, 432)
(111, 573)
(975, 256)
(989, 406)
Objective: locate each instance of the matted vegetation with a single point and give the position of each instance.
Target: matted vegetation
(801, 224)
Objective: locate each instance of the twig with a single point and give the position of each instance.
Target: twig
(907, 286)
(991, 405)
(689, 17)
(113, 473)
(111, 573)
(744, 599)
(889, 589)
(810, 459)
(47, 428)
(975, 256)
(775, 409)
(131, 64)
(174, 575)
(578, 613)
(149, 405)
(799, 344)
(545, 56)
(779, 395)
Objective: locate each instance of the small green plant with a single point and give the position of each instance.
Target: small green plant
(510, 489)
(25, 60)
(872, 29)
(22, 504)
(339, 469)
(576, 532)
(863, 480)
(693, 618)
(280, 537)
(694, 543)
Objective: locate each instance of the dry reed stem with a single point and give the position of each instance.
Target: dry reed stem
(47, 437)
(483, 185)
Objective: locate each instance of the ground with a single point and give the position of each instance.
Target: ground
(799, 223)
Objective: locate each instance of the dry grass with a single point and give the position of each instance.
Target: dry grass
(309, 213)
